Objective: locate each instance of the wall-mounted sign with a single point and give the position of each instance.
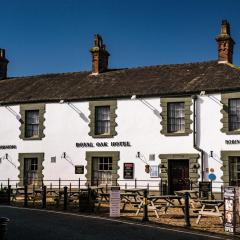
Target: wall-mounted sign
(102, 144)
(128, 170)
(233, 141)
(154, 171)
(8, 147)
(79, 169)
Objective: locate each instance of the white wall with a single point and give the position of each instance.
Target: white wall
(137, 123)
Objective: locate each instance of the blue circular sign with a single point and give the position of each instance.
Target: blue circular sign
(212, 176)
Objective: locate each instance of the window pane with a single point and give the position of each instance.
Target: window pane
(102, 120)
(175, 117)
(234, 114)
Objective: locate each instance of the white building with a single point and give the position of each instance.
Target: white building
(173, 123)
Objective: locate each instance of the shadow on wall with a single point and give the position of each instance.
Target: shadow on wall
(79, 112)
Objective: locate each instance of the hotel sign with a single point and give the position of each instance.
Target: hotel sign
(3, 147)
(232, 141)
(102, 144)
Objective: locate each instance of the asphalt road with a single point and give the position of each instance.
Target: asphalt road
(29, 224)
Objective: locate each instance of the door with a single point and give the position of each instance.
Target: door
(178, 175)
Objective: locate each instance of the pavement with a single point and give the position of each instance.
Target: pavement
(37, 224)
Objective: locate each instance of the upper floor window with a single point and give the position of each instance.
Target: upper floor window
(175, 117)
(234, 114)
(32, 123)
(102, 120)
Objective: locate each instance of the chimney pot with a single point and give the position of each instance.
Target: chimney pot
(3, 64)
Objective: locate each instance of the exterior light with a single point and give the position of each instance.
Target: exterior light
(211, 154)
(133, 97)
(61, 101)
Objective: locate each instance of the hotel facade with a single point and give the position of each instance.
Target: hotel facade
(173, 124)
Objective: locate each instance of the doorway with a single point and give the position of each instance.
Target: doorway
(178, 175)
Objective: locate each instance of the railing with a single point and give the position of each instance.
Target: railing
(160, 186)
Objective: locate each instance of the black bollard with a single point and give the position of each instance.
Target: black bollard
(186, 210)
(44, 196)
(3, 228)
(9, 194)
(26, 195)
(65, 199)
(145, 206)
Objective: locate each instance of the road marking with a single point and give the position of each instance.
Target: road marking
(114, 220)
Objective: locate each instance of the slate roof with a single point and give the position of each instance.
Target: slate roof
(162, 80)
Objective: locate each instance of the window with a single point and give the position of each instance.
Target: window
(102, 118)
(234, 171)
(102, 170)
(30, 170)
(175, 117)
(234, 114)
(32, 123)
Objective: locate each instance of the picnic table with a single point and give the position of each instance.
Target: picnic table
(210, 208)
(167, 201)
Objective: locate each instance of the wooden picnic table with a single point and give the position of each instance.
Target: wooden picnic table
(210, 208)
(168, 201)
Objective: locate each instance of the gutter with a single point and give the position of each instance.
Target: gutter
(195, 97)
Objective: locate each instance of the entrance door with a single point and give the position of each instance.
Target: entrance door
(178, 175)
(30, 170)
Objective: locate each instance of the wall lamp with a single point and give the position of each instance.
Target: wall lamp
(138, 155)
(211, 154)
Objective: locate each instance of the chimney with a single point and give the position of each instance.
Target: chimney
(3, 64)
(225, 44)
(99, 56)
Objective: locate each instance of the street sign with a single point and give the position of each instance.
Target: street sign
(212, 176)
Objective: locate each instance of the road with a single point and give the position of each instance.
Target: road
(26, 224)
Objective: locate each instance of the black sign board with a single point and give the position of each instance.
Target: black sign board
(205, 188)
(128, 170)
(79, 169)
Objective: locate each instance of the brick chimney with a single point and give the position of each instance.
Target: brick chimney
(99, 56)
(225, 43)
(3, 64)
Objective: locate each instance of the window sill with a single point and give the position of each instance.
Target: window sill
(176, 134)
(31, 138)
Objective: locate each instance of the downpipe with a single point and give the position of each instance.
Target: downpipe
(195, 97)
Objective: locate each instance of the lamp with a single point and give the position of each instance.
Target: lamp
(61, 101)
(138, 155)
(211, 154)
(133, 97)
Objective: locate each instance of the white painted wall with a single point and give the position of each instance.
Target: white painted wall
(137, 123)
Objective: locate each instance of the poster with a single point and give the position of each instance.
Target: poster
(128, 171)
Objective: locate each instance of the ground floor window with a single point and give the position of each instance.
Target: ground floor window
(102, 167)
(234, 171)
(102, 170)
(31, 167)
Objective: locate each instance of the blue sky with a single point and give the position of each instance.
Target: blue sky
(48, 36)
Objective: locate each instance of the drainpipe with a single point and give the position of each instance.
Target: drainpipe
(195, 97)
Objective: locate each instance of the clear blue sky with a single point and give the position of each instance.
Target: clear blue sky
(48, 36)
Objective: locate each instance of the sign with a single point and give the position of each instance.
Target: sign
(102, 144)
(128, 170)
(231, 210)
(205, 188)
(115, 202)
(212, 176)
(154, 171)
(79, 169)
(8, 147)
(232, 141)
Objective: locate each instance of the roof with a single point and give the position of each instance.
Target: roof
(162, 80)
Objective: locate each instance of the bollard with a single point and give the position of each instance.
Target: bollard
(44, 196)
(65, 199)
(3, 227)
(26, 195)
(186, 210)
(9, 195)
(145, 206)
